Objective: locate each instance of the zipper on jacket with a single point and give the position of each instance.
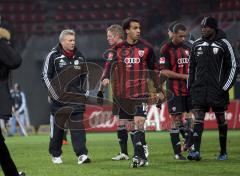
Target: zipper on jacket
(219, 79)
(195, 74)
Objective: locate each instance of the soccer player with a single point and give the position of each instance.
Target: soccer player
(174, 65)
(65, 74)
(131, 63)
(212, 71)
(115, 35)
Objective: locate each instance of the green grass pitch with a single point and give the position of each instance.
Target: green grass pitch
(31, 155)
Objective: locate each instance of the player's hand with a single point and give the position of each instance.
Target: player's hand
(105, 82)
(185, 76)
(100, 97)
(159, 104)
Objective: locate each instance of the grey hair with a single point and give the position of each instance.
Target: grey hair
(66, 32)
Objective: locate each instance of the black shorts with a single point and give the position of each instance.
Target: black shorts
(127, 109)
(179, 104)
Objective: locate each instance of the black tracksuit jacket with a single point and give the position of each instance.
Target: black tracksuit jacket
(66, 79)
(212, 71)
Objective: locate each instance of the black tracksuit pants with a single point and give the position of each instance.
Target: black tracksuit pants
(6, 162)
(78, 134)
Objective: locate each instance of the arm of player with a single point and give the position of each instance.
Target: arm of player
(191, 69)
(10, 58)
(174, 75)
(47, 74)
(231, 66)
(154, 68)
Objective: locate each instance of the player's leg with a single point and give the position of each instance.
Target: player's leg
(199, 114)
(56, 135)
(122, 132)
(176, 107)
(122, 135)
(176, 123)
(188, 143)
(65, 141)
(139, 159)
(6, 161)
(189, 117)
(222, 129)
(78, 137)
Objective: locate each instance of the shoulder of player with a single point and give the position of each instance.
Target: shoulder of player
(119, 45)
(146, 43)
(198, 41)
(165, 47)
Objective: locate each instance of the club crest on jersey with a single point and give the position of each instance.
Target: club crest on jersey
(76, 62)
(187, 52)
(141, 53)
(215, 50)
(162, 60)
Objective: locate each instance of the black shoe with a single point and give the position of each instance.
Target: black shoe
(222, 157)
(138, 162)
(194, 155)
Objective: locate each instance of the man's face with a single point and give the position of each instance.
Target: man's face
(68, 42)
(134, 31)
(207, 32)
(111, 38)
(179, 37)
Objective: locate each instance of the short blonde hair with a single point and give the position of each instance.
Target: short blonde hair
(4, 33)
(116, 29)
(66, 32)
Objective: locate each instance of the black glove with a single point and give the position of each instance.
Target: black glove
(100, 97)
(159, 104)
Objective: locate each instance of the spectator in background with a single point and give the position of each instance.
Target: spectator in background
(19, 110)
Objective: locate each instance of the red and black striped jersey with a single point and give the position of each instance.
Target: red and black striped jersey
(175, 58)
(129, 67)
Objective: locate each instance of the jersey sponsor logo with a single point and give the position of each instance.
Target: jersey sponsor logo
(215, 50)
(162, 60)
(141, 53)
(132, 60)
(182, 61)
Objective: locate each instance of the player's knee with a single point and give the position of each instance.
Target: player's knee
(139, 123)
(199, 117)
(220, 116)
(176, 122)
(189, 123)
(121, 127)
